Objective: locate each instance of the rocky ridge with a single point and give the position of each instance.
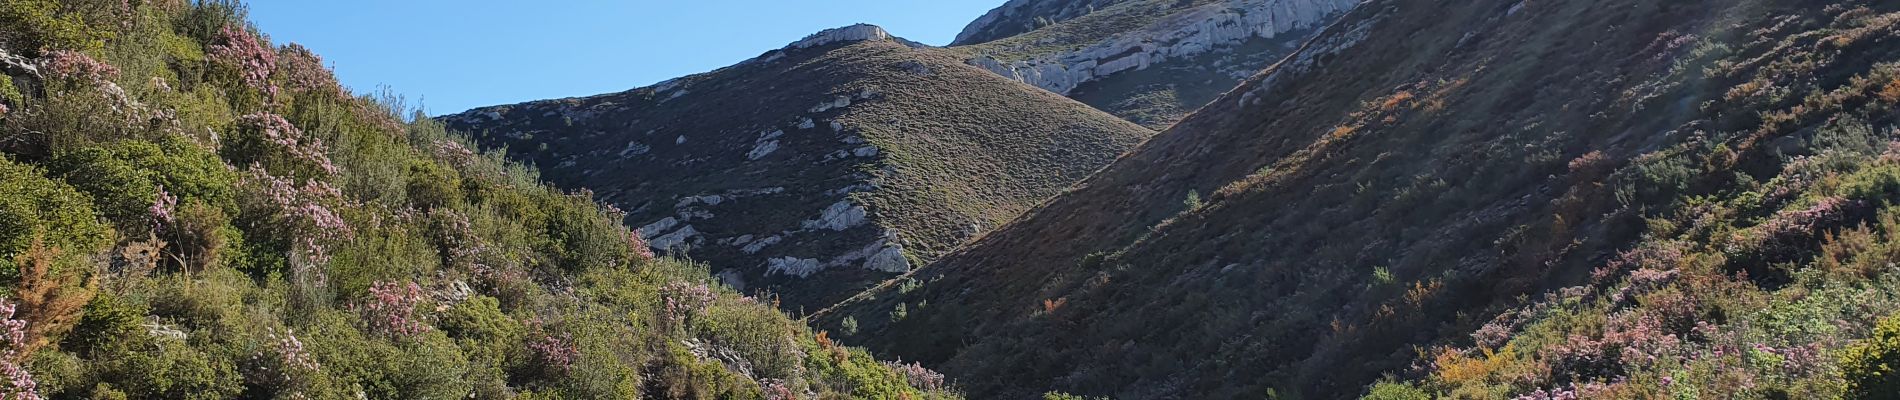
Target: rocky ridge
(806, 171)
(1185, 34)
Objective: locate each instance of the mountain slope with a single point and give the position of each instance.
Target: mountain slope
(1149, 61)
(1018, 16)
(1667, 178)
(190, 212)
(815, 170)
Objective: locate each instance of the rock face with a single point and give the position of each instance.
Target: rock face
(1181, 35)
(817, 169)
(1018, 16)
(853, 33)
(1148, 61)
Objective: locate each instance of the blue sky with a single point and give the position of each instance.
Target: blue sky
(455, 55)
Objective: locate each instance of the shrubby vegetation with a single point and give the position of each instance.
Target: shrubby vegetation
(189, 211)
(1761, 273)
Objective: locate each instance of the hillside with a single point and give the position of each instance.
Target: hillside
(1148, 61)
(816, 170)
(1016, 17)
(188, 211)
(1480, 199)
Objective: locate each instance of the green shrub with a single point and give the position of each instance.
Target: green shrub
(48, 24)
(1872, 366)
(432, 185)
(123, 178)
(170, 369)
(1389, 390)
(583, 236)
(32, 206)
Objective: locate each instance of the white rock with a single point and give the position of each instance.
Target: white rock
(839, 216)
(674, 241)
(635, 148)
(890, 259)
(681, 140)
(655, 228)
(806, 123)
(762, 149)
(835, 103)
(866, 151)
(733, 278)
(792, 266)
(853, 33)
(756, 246)
(1182, 35)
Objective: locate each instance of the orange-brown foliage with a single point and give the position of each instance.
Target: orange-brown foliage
(51, 302)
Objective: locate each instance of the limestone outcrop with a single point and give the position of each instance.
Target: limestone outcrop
(1181, 35)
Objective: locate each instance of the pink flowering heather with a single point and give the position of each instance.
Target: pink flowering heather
(3, 110)
(244, 52)
(776, 390)
(275, 134)
(291, 352)
(20, 384)
(454, 152)
(77, 67)
(163, 206)
(639, 245)
(282, 361)
(303, 71)
(683, 300)
(1589, 390)
(1787, 231)
(917, 375)
(460, 246)
(1632, 340)
(303, 215)
(556, 353)
(391, 309)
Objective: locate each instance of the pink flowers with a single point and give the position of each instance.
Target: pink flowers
(1589, 390)
(291, 352)
(917, 375)
(303, 215)
(1631, 340)
(77, 67)
(392, 309)
(775, 390)
(639, 245)
(162, 208)
(20, 382)
(303, 71)
(453, 152)
(683, 300)
(273, 134)
(244, 52)
(557, 353)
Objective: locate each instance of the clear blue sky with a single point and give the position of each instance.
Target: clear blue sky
(456, 55)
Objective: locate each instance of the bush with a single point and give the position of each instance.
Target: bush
(1872, 366)
(33, 207)
(124, 178)
(1389, 390)
(47, 24)
(170, 369)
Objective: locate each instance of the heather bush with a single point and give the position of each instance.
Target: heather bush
(279, 238)
(280, 147)
(391, 309)
(249, 58)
